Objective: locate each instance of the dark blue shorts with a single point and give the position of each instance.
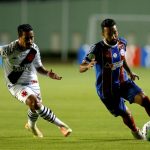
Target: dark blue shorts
(115, 102)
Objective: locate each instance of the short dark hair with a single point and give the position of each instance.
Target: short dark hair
(24, 28)
(107, 23)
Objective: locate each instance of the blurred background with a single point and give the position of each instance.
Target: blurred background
(64, 29)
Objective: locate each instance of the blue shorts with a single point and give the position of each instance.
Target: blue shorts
(115, 102)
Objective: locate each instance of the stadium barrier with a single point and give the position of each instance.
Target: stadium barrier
(133, 56)
(145, 56)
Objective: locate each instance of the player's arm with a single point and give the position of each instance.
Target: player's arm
(89, 61)
(84, 66)
(50, 73)
(132, 75)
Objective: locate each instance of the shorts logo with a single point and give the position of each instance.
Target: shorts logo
(24, 93)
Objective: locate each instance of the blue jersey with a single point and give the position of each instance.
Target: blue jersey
(109, 67)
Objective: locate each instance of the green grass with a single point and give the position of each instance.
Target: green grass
(74, 100)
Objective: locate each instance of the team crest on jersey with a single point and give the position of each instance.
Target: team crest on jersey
(122, 52)
(115, 55)
(30, 57)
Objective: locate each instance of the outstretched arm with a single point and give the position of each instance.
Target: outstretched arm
(50, 73)
(132, 75)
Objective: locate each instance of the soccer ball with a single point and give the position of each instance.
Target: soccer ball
(146, 131)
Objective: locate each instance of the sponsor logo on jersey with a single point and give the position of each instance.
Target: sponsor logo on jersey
(114, 65)
(18, 68)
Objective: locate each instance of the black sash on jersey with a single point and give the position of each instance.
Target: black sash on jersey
(15, 75)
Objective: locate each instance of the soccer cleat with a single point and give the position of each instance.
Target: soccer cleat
(65, 130)
(138, 135)
(36, 132)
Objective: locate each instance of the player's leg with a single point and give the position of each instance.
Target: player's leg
(21, 93)
(130, 91)
(128, 119)
(122, 110)
(32, 117)
(47, 114)
(31, 124)
(144, 101)
(30, 95)
(134, 94)
(117, 107)
(130, 123)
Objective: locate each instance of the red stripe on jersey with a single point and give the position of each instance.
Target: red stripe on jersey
(107, 72)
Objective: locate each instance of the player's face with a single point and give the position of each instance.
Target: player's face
(111, 34)
(26, 40)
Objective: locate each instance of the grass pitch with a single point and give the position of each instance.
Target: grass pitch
(74, 101)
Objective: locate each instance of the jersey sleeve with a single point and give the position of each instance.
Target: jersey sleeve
(91, 54)
(124, 41)
(5, 50)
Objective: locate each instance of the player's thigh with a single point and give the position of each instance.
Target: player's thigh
(23, 92)
(129, 90)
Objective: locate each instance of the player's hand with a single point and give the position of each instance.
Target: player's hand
(91, 64)
(133, 76)
(53, 75)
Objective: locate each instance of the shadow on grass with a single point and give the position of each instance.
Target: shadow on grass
(106, 140)
(58, 139)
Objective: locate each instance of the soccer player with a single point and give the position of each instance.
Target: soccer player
(21, 61)
(114, 78)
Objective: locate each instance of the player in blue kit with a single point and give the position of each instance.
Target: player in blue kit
(112, 82)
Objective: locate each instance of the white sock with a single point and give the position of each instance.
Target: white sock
(32, 118)
(59, 123)
(31, 123)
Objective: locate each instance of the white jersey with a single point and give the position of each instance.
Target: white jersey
(13, 56)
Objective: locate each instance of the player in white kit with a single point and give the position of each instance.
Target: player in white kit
(21, 61)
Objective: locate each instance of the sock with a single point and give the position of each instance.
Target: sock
(146, 104)
(129, 121)
(59, 123)
(32, 118)
(48, 115)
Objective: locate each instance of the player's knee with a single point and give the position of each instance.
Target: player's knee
(33, 102)
(145, 101)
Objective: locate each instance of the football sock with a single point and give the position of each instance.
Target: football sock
(32, 118)
(129, 121)
(48, 115)
(59, 123)
(146, 104)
